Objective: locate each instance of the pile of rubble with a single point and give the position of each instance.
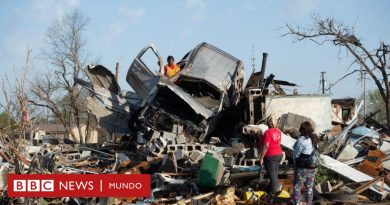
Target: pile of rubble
(197, 135)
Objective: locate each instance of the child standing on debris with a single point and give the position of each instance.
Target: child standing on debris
(304, 172)
(171, 68)
(271, 154)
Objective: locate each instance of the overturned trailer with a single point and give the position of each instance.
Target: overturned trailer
(205, 91)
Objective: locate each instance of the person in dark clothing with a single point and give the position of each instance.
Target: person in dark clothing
(271, 154)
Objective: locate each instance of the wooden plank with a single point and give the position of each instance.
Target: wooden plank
(366, 185)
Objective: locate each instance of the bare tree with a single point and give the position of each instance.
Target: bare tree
(374, 62)
(15, 103)
(66, 56)
(15, 106)
(8, 105)
(20, 92)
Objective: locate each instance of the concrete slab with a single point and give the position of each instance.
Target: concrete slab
(348, 153)
(181, 139)
(229, 161)
(177, 129)
(170, 137)
(180, 154)
(315, 107)
(196, 156)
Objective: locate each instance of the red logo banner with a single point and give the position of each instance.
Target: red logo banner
(79, 185)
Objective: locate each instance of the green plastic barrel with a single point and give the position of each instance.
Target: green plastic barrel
(210, 172)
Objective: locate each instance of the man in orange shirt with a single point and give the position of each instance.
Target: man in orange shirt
(171, 68)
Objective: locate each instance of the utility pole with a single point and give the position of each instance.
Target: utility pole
(117, 71)
(253, 58)
(364, 93)
(323, 81)
(47, 114)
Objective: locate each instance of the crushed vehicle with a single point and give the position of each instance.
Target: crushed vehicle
(198, 98)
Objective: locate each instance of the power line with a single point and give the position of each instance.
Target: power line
(342, 78)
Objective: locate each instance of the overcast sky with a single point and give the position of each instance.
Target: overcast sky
(119, 29)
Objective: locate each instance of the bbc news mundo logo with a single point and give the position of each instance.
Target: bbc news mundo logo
(33, 185)
(79, 185)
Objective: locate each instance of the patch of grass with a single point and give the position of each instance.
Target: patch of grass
(322, 175)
